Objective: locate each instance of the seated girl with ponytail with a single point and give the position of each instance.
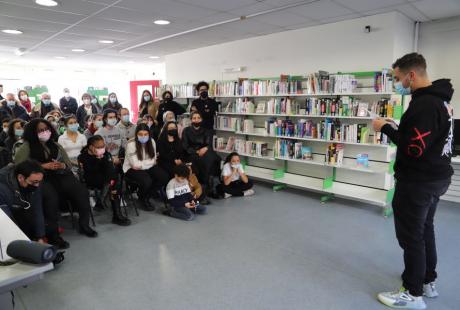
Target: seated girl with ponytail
(235, 180)
(99, 173)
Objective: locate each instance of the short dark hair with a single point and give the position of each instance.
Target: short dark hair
(11, 131)
(411, 61)
(181, 171)
(6, 120)
(202, 83)
(28, 167)
(195, 112)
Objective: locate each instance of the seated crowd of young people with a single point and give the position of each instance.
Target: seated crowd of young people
(53, 156)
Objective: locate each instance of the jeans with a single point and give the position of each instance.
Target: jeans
(414, 207)
(187, 214)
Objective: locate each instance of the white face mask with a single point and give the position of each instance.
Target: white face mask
(235, 166)
(67, 95)
(86, 101)
(24, 97)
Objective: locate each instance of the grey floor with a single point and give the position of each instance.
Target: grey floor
(279, 250)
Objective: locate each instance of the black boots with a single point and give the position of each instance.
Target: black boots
(88, 231)
(118, 218)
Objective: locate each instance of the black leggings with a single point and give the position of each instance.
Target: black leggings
(148, 180)
(57, 190)
(237, 188)
(206, 166)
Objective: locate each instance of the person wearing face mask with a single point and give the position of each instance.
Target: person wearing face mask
(14, 139)
(96, 103)
(14, 108)
(112, 103)
(95, 122)
(236, 182)
(168, 104)
(68, 104)
(197, 142)
(24, 100)
(21, 197)
(100, 173)
(115, 142)
(423, 174)
(44, 107)
(4, 133)
(127, 128)
(170, 149)
(169, 116)
(87, 108)
(150, 122)
(53, 121)
(146, 102)
(140, 166)
(206, 106)
(72, 140)
(60, 185)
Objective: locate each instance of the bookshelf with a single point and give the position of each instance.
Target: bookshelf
(240, 100)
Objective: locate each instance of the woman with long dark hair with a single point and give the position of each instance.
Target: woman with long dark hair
(141, 167)
(170, 148)
(14, 139)
(100, 173)
(235, 181)
(112, 103)
(59, 183)
(146, 103)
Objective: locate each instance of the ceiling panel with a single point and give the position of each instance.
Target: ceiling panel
(222, 6)
(366, 5)
(439, 8)
(321, 10)
(31, 13)
(67, 6)
(253, 8)
(282, 19)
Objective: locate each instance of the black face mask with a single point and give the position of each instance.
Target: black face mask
(196, 125)
(173, 132)
(204, 94)
(168, 99)
(30, 189)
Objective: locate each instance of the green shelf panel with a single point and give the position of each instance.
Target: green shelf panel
(397, 112)
(278, 187)
(390, 195)
(391, 167)
(278, 173)
(328, 182)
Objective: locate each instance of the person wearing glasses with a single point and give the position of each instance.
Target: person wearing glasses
(21, 197)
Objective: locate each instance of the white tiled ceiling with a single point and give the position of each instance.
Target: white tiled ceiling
(55, 31)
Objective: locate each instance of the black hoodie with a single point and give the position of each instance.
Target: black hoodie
(424, 137)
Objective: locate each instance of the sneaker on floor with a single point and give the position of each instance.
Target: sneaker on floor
(401, 299)
(226, 195)
(249, 192)
(60, 243)
(429, 290)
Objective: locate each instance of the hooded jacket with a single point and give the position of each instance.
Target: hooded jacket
(424, 136)
(14, 203)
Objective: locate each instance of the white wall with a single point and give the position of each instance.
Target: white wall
(341, 46)
(439, 42)
(77, 79)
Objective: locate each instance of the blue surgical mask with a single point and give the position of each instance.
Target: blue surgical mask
(146, 98)
(46, 101)
(18, 132)
(98, 124)
(73, 127)
(113, 99)
(400, 89)
(143, 139)
(11, 103)
(112, 121)
(125, 118)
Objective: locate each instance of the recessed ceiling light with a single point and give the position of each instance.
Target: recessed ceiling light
(47, 2)
(161, 22)
(60, 57)
(20, 51)
(154, 57)
(106, 41)
(12, 31)
(78, 50)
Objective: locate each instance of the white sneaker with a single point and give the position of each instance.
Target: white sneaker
(249, 192)
(226, 195)
(401, 299)
(429, 290)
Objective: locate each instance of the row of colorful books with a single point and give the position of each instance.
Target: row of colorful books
(253, 148)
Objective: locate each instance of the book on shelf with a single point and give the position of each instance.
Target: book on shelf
(362, 109)
(334, 154)
(252, 148)
(248, 126)
(292, 149)
(230, 144)
(307, 153)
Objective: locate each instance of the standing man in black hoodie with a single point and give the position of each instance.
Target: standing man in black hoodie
(422, 173)
(206, 106)
(168, 104)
